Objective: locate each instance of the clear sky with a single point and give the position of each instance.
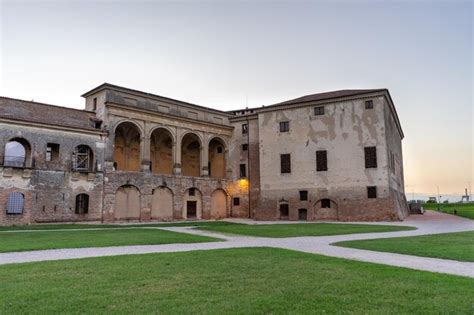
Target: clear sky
(229, 54)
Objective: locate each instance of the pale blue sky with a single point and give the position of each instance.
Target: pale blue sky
(218, 54)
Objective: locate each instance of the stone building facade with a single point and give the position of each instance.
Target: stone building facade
(136, 156)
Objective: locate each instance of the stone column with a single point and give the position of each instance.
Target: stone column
(145, 153)
(205, 159)
(177, 157)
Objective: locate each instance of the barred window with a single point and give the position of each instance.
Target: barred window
(15, 203)
(319, 110)
(372, 192)
(284, 126)
(82, 204)
(321, 161)
(370, 157)
(285, 163)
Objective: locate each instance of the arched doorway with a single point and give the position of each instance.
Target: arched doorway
(191, 155)
(217, 158)
(325, 209)
(162, 204)
(218, 204)
(192, 204)
(127, 203)
(127, 147)
(17, 153)
(161, 151)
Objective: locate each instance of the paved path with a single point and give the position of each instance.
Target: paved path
(429, 223)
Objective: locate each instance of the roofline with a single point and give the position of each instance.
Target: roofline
(45, 104)
(106, 85)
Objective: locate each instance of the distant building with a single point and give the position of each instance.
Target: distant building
(136, 156)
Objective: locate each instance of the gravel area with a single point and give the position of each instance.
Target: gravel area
(429, 223)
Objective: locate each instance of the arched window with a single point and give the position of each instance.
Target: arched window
(17, 153)
(82, 159)
(15, 203)
(82, 204)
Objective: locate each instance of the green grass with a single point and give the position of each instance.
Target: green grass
(231, 281)
(456, 246)
(306, 229)
(465, 210)
(24, 241)
(43, 226)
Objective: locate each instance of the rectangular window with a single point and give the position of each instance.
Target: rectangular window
(243, 170)
(370, 157)
(321, 161)
(245, 147)
(15, 201)
(318, 111)
(303, 195)
(284, 126)
(52, 152)
(192, 191)
(285, 163)
(245, 129)
(302, 214)
(369, 104)
(325, 203)
(219, 149)
(372, 192)
(236, 201)
(94, 104)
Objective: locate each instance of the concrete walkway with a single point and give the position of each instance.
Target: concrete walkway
(429, 223)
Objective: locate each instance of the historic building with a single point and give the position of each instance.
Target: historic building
(136, 156)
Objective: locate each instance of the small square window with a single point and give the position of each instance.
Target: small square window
(372, 192)
(219, 149)
(284, 126)
(369, 104)
(245, 129)
(243, 171)
(303, 195)
(325, 203)
(245, 147)
(319, 110)
(192, 191)
(236, 201)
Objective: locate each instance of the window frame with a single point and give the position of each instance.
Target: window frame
(82, 204)
(318, 110)
(369, 104)
(236, 201)
(15, 207)
(245, 147)
(243, 170)
(245, 129)
(321, 160)
(285, 166)
(370, 157)
(285, 126)
(303, 195)
(372, 192)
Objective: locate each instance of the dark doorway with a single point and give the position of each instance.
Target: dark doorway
(302, 214)
(191, 209)
(284, 211)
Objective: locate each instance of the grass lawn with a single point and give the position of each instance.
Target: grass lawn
(307, 229)
(461, 209)
(23, 241)
(456, 246)
(235, 281)
(109, 226)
